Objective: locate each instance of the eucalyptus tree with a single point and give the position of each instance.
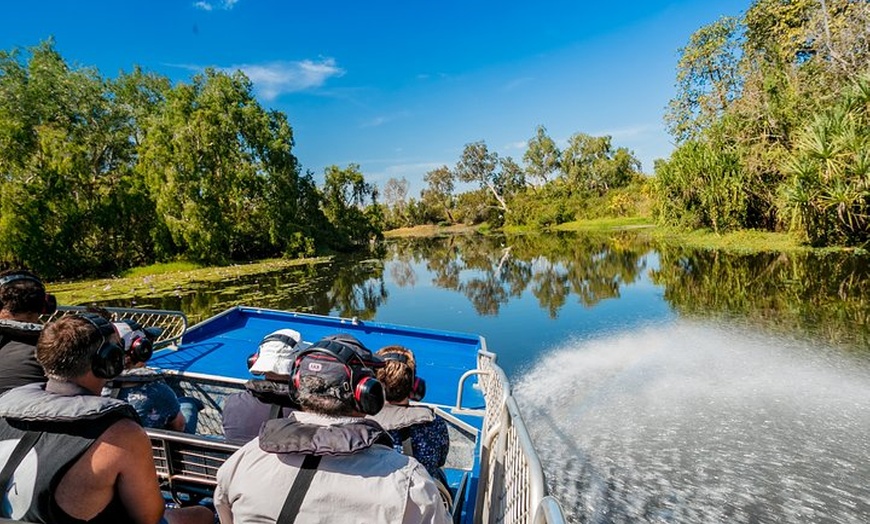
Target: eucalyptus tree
(542, 158)
(590, 163)
(478, 164)
(395, 196)
(438, 194)
(708, 78)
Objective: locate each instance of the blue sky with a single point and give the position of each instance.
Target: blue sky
(400, 87)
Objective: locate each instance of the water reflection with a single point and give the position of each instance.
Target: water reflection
(346, 286)
(822, 296)
(493, 270)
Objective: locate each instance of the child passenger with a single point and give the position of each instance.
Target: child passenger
(416, 430)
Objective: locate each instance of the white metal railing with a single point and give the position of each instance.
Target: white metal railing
(173, 324)
(512, 487)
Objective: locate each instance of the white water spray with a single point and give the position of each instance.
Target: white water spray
(692, 423)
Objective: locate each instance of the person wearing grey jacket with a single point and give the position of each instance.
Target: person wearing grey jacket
(327, 463)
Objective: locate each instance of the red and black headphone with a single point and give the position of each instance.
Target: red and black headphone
(141, 347)
(108, 361)
(418, 385)
(43, 302)
(367, 391)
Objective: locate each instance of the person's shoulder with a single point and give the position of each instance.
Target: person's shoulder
(125, 433)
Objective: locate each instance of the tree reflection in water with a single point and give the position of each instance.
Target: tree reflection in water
(823, 296)
(492, 270)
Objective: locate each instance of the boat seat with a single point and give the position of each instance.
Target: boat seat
(187, 464)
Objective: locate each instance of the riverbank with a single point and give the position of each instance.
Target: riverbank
(744, 241)
(164, 279)
(179, 278)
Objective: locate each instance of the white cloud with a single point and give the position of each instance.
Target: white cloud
(277, 78)
(630, 132)
(210, 6)
(383, 119)
(517, 146)
(517, 82)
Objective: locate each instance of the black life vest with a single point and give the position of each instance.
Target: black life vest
(65, 427)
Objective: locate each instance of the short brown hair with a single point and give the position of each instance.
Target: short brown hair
(397, 376)
(66, 347)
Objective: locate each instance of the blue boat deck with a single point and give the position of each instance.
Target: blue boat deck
(221, 345)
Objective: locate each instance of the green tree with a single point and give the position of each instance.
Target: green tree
(542, 157)
(827, 195)
(590, 164)
(212, 155)
(70, 201)
(438, 194)
(478, 164)
(701, 186)
(346, 199)
(708, 78)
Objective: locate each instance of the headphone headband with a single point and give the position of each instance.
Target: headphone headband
(367, 392)
(342, 351)
(20, 276)
(280, 337)
(398, 357)
(103, 326)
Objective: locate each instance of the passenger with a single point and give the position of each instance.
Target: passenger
(416, 430)
(22, 301)
(145, 389)
(71, 454)
(263, 399)
(327, 463)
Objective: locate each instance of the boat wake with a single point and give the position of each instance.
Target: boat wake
(690, 423)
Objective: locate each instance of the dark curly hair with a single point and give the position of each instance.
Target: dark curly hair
(25, 295)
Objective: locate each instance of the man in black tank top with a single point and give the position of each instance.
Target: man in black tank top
(22, 300)
(68, 455)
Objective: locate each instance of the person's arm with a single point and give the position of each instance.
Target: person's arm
(224, 477)
(442, 439)
(126, 448)
(424, 501)
(178, 423)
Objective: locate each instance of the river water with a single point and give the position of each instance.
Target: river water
(660, 384)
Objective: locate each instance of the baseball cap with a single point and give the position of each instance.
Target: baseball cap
(320, 358)
(276, 352)
(129, 331)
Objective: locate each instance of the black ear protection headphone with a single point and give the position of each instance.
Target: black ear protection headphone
(367, 391)
(141, 347)
(47, 302)
(108, 361)
(418, 385)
